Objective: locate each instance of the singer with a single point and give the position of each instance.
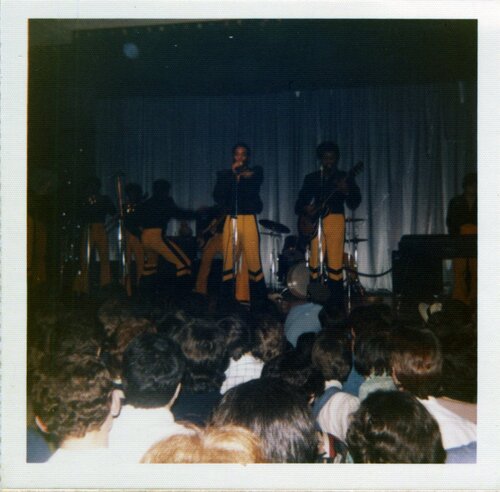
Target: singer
(237, 191)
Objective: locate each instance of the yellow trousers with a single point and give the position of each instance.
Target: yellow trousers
(214, 246)
(333, 247)
(94, 237)
(133, 249)
(153, 244)
(247, 249)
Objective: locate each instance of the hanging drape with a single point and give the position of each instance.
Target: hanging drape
(416, 142)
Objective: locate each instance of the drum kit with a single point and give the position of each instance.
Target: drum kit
(297, 278)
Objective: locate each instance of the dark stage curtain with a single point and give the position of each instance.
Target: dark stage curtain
(417, 142)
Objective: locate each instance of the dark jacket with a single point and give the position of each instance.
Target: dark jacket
(239, 197)
(460, 214)
(155, 212)
(314, 192)
(94, 209)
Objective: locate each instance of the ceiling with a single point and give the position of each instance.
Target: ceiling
(117, 57)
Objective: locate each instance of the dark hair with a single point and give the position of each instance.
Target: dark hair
(152, 369)
(372, 353)
(327, 147)
(394, 427)
(417, 361)
(269, 337)
(161, 187)
(373, 318)
(459, 374)
(204, 346)
(332, 356)
(241, 144)
(134, 192)
(72, 394)
(305, 344)
(297, 371)
(332, 317)
(277, 413)
(239, 337)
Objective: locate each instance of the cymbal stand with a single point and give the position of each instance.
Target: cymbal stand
(273, 268)
(123, 274)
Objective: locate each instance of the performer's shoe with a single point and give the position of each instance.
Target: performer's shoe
(337, 296)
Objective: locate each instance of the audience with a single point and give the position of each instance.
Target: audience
(152, 371)
(170, 379)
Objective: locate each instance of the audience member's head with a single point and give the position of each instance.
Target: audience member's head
(239, 336)
(227, 444)
(277, 413)
(127, 330)
(394, 427)
(373, 317)
(269, 337)
(332, 356)
(372, 354)
(73, 395)
(332, 318)
(152, 371)
(112, 312)
(417, 362)
(296, 370)
(305, 344)
(203, 344)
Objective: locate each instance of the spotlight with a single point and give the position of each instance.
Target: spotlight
(130, 50)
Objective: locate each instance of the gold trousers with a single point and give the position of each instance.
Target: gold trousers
(214, 246)
(246, 248)
(333, 247)
(154, 245)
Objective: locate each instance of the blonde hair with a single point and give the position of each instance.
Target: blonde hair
(226, 444)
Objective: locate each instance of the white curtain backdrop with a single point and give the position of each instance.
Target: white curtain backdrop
(416, 142)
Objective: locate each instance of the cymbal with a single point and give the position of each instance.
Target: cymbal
(274, 226)
(355, 220)
(355, 241)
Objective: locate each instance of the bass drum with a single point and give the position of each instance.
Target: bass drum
(297, 279)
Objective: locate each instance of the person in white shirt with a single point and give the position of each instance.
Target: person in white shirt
(152, 371)
(332, 356)
(243, 366)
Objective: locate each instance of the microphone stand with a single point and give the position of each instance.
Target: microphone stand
(321, 253)
(234, 235)
(123, 272)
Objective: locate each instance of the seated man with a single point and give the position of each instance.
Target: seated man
(393, 427)
(152, 371)
(74, 400)
(331, 355)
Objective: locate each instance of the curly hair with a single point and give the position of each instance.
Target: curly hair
(227, 444)
(152, 369)
(394, 427)
(72, 395)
